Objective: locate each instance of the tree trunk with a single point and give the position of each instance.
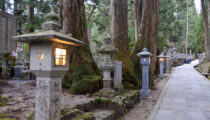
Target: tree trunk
(74, 22)
(147, 35)
(209, 31)
(119, 35)
(18, 12)
(205, 24)
(31, 15)
(137, 17)
(3, 8)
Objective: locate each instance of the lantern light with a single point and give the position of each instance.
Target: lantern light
(161, 57)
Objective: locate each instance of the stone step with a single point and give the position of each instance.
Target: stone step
(104, 114)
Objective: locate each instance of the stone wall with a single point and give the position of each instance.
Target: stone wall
(7, 30)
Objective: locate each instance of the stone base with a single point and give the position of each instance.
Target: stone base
(18, 71)
(145, 93)
(161, 77)
(107, 84)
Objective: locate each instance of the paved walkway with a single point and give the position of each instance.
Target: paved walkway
(187, 96)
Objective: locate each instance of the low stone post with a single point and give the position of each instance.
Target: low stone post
(161, 61)
(118, 76)
(145, 61)
(107, 50)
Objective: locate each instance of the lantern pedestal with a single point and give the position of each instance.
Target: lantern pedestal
(167, 66)
(145, 93)
(107, 80)
(48, 99)
(161, 70)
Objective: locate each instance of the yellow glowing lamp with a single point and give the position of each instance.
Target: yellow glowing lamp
(60, 56)
(41, 56)
(161, 57)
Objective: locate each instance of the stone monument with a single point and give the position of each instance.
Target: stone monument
(7, 30)
(168, 63)
(145, 61)
(107, 50)
(118, 75)
(49, 61)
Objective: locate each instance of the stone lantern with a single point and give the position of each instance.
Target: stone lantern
(161, 61)
(145, 61)
(167, 63)
(49, 61)
(107, 50)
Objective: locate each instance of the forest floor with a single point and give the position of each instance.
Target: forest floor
(142, 110)
(21, 95)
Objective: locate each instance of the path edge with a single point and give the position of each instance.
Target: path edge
(157, 105)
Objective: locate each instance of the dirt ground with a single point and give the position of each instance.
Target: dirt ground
(21, 94)
(142, 110)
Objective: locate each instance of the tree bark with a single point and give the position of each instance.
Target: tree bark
(137, 17)
(119, 35)
(18, 12)
(206, 30)
(74, 22)
(30, 15)
(3, 8)
(147, 35)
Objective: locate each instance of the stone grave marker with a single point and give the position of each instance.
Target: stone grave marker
(118, 75)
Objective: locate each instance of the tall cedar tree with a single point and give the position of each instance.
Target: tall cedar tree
(147, 36)
(74, 22)
(31, 4)
(119, 35)
(206, 29)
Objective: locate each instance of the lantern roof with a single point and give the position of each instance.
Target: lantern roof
(168, 56)
(161, 55)
(144, 53)
(50, 32)
(48, 35)
(108, 46)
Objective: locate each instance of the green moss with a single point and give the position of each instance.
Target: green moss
(75, 75)
(3, 100)
(7, 119)
(88, 84)
(31, 116)
(70, 112)
(4, 116)
(86, 116)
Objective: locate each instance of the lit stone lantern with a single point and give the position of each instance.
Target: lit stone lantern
(167, 63)
(145, 61)
(107, 50)
(49, 61)
(161, 61)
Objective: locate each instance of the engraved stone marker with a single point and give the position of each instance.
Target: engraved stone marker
(118, 75)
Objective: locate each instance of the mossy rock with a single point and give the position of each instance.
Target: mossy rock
(86, 116)
(7, 119)
(88, 84)
(4, 116)
(75, 75)
(31, 116)
(67, 114)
